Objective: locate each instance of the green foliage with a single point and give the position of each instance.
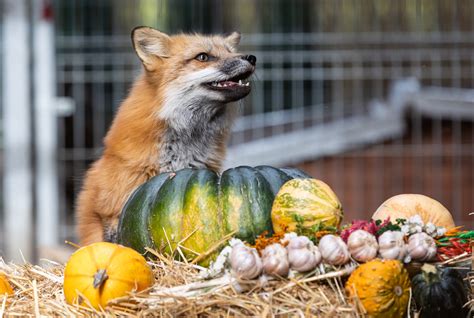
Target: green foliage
(311, 232)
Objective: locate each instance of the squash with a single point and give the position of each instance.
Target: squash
(5, 287)
(197, 208)
(104, 271)
(382, 287)
(305, 203)
(440, 292)
(404, 206)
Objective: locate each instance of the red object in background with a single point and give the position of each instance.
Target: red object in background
(47, 10)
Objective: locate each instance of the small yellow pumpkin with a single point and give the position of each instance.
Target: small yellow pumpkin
(382, 287)
(103, 271)
(5, 287)
(305, 203)
(404, 206)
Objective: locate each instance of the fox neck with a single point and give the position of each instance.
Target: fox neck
(194, 135)
(197, 129)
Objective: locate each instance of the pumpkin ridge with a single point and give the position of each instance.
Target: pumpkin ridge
(111, 258)
(92, 257)
(200, 210)
(187, 186)
(83, 292)
(245, 194)
(220, 209)
(157, 195)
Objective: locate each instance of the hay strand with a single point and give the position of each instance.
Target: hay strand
(179, 290)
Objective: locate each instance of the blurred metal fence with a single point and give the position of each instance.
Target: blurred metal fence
(318, 68)
(324, 90)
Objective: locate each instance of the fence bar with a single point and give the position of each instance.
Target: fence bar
(17, 138)
(45, 125)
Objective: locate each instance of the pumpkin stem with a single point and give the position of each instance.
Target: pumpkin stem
(430, 273)
(100, 277)
(428, 268)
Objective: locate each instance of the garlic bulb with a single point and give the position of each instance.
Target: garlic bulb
(275, 260)
(392, 245)
(333, 250)
(303, 256)
(245, 262)
(362, 246)
(421, 247)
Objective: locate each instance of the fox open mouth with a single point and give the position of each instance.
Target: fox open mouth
(225, 84)
(232, 83)
(232, 89)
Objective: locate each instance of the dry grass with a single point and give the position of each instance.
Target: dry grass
(180, 291)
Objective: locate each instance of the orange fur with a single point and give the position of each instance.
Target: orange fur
(132, 145)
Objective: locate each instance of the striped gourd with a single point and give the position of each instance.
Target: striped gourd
(309, 202)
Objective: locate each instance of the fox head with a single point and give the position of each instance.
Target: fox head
(194, 73)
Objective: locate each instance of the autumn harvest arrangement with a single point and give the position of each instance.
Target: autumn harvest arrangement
(256, 241)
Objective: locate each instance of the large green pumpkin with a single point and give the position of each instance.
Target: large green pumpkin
(198, 208)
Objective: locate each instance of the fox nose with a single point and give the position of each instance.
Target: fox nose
(251, 59)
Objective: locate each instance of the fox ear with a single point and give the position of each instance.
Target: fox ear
(150, 44)
(233, 40)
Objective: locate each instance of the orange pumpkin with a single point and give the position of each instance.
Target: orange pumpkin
(103, 271)
(382, 287)
(5, 287)
(404, 206)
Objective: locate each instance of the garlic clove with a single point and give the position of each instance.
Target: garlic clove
(392, 245)
(362, 245)
(333, 250)
(245, 262)
(421, 247)
(303, 256)
(299, 242)
(275, 260)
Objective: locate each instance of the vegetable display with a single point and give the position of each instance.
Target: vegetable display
(275, 260)
(421, 247)
(305, 204)
(382, 287)
(392, 245)
(245, 262)
(362, 246)
(103, 271)
(5, 287)
(303, 255)
(333, 250)
(405, 206)
(195, 209)
(439, 293)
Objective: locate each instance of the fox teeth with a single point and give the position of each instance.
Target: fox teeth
(247, 84)
(240, 82)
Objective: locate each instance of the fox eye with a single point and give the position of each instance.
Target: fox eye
(202, 57)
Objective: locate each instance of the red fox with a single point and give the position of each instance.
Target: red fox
(176, 116)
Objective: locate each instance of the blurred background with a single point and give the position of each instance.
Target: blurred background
(375, 97)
